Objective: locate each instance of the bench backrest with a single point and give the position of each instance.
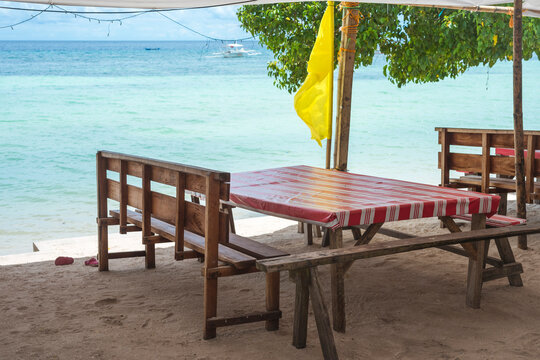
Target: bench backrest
(485, 163)
(167, 203)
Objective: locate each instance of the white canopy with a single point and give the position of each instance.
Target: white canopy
(530, 7)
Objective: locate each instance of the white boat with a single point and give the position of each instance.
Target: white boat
(236, 50)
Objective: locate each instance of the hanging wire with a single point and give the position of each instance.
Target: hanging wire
(133, 14)
(26, 20)
(240, 2)
(201, 34)
(80, 14)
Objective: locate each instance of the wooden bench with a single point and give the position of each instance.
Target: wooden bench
(163, 214)
(479, 166)
(303, 270)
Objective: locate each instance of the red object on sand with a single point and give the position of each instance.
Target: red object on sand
(338, 199)
(63, 260)
(91, 262)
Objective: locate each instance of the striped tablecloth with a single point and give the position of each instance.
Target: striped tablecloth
(511, 152)
(338, 199)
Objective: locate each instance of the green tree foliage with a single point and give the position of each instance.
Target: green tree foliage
(419, 44)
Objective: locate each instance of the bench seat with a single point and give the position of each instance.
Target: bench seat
(240, 252)
(496, 220)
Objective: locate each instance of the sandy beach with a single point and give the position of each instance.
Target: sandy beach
(405, 306)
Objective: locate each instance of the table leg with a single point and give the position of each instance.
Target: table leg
(326, 237)
(476, 265)
(507, 256)
(308, 234)
(301, 308)
(338, 285)
(326, 337)
(272, 298)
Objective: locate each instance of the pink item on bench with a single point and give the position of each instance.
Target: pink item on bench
(496, 220)
(511, 152)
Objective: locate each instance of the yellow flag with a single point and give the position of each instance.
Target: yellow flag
(313, 101)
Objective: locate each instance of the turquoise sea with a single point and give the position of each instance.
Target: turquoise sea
(60, 102)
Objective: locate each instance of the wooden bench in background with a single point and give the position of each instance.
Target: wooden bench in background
(478, 167)
(163, 214)
(303, 270)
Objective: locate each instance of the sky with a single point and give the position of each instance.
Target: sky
(219, 22)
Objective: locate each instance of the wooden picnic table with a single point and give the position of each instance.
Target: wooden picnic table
(337, 200)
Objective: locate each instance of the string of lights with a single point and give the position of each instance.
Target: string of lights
(26, 20)
(130, 14)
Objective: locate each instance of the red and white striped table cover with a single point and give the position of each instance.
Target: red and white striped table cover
(338, 199)
(511, 152)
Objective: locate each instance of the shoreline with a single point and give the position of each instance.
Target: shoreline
(86, 246)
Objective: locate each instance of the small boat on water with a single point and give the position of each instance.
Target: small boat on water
(150, 49)
(236, 50)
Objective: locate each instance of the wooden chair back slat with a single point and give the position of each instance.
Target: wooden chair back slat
(503, 165)
(123, 197)
(530, 164)
(469, 163)
(473, 137)
(443, 157)
(160, 175)
(180, 215)
(102, 193)
(486, 164)
(472, 163)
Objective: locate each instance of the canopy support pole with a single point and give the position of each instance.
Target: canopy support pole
(519, 138)
(345, 79)
(328, 152)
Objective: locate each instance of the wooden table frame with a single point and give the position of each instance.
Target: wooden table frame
(477, 273)
(303, 269)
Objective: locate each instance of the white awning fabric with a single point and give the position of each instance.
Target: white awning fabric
(530, 7)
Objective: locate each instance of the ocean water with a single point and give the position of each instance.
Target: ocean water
(60, 102)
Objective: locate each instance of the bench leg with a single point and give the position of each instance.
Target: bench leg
(301, 304)
(326, 237)
(318, 231)
(326, 337)
(308, 234)
(503, 204)
(300, 227)
(272, 299)
(357, 234)
(232, 227)
(150, 258)
(476, 265)
(210, 307)
(474, 276)
(103, 247)
(338, 284)
(507, 256)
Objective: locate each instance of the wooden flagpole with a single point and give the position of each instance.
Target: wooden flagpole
(347, 52)
(330, 113)
(519, 138)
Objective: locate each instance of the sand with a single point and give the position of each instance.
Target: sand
(406, 306)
